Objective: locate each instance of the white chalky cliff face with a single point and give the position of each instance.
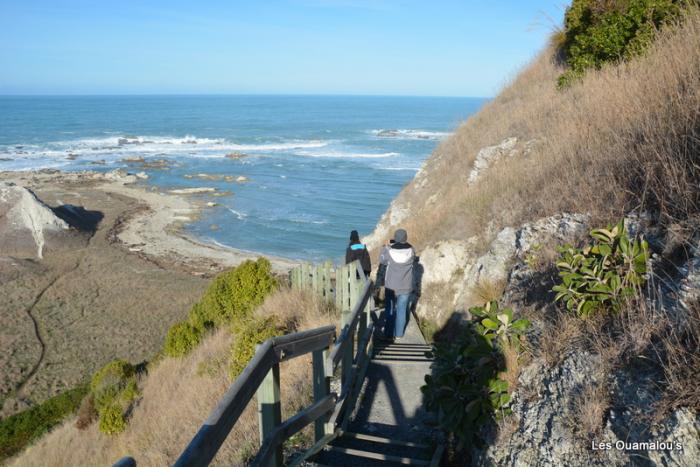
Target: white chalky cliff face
(25, 222)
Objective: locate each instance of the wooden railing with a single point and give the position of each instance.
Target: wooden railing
(341, 284)
(330, 412)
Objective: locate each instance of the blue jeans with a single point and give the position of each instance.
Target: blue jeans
(396, 313)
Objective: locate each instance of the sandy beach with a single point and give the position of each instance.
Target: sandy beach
(111, 292)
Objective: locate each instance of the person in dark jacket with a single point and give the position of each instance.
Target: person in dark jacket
(399, 283)
(357, 251)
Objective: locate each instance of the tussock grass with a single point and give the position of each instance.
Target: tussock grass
(626, 137)
(178, 395)
(589, 410)
(680, 350)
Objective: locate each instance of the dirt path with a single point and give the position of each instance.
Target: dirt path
(37, 331)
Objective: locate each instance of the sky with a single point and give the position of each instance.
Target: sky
(380, 47)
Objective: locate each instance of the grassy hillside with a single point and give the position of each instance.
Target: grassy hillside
(177, 395)
(623, 137)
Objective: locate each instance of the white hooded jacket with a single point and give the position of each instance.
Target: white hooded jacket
(399, 259)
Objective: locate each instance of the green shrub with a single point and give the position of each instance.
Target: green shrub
(17, 431)
(464, 388)
(234, 294)
(247, 334)
(602, 276)
(110, 381)
(498, 327)
(231, 297)
(114, 389)
(112, 420)
(597, 32)
(181, 339)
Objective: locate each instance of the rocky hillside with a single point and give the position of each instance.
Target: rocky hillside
(27, 225)
(559, 152)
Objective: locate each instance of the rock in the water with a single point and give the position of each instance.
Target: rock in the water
(27, 225)
(236, 155)
(120, 176)
(134, 159)
(193, 191)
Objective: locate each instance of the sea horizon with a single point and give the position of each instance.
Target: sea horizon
(307, 168)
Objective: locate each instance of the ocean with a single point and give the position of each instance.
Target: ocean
(315, 167)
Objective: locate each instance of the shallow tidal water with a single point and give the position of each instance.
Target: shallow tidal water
(316, 166)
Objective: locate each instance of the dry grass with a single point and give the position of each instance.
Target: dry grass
(177, 397)
(680, 349)
(512, 360)
(488, 290)
(590, 407)
(626, 137)
(560, 336)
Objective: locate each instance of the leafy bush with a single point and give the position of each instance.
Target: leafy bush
(499, 325)
(113, 389)
(181, 339)
(231, 297)
(464, 388)
(112, 420)
(604, 275)
(247, 334)
(17, 431)
(234, 294)
(597, 32)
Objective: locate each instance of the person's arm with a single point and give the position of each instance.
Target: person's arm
(384, 256)
(367, 260)
(348, 254)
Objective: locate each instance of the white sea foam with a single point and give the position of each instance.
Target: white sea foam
(116, 146)
(239, 215)
(409, 134)
(415, 169)
(346, 155)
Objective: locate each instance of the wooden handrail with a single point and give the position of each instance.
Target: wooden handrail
(348, 331)
(206, 443)
(293, 426)
(261, 375)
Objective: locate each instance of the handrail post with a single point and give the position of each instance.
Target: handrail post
(322, 388)
(270, 410)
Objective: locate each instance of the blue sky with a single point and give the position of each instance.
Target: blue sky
(388, 47)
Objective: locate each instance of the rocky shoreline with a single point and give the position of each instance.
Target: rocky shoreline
(154, 225)
(93, 267)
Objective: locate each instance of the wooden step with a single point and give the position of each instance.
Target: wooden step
(377, 456)
(399, 352)
(382, 440)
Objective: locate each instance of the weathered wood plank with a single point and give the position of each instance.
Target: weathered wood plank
(348, 330)
(270, 415)
(378, 456)
(382, 440)
(322, 387)
(216, 428)
(273, 442)
(315, 449)
(300, 343)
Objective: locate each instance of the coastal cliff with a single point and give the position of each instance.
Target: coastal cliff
(540, 166)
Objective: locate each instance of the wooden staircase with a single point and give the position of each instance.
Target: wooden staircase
(371, 440)
(365, 450)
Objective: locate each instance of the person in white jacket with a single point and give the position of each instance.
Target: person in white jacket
(399, 283)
